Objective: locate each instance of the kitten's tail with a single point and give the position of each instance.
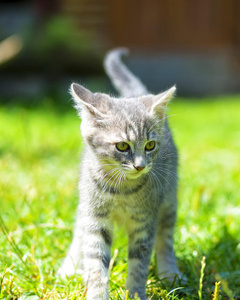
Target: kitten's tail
(125, 82)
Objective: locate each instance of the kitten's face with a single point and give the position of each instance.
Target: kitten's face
(135, 157)
(127, 140)
(125, 134)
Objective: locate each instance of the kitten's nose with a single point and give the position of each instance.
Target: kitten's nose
(139, 168)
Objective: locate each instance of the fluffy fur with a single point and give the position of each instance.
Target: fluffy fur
(128, 176)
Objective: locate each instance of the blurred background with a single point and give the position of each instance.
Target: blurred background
(45, 45)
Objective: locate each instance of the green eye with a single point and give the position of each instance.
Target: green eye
(150, 146)
(122, 146)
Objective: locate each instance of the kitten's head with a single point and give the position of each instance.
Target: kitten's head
(125, 134)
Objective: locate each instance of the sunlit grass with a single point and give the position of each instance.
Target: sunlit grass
(39, 156)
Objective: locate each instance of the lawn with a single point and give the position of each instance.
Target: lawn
(39, 156)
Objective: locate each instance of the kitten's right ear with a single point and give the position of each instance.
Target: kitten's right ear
(157, 104)
(84, 99)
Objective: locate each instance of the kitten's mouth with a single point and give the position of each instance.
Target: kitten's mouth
(134, 174)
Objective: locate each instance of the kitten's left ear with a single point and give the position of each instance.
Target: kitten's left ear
(157, 104)
(88, 101)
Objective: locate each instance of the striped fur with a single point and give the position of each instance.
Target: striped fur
(135, 188)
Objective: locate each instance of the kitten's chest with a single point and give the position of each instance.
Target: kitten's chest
(127, 207)
(139, 198)
(124, 208)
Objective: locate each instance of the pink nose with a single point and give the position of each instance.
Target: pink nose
(138, 168)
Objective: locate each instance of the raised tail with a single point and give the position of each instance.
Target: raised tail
(125, 82)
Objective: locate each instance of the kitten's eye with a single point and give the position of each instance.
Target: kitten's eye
(122, 146)
(150, 146)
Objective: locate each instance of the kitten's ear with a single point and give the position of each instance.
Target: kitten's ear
(157, 104)
(83, 98)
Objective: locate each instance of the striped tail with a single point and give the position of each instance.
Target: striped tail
(125, 82)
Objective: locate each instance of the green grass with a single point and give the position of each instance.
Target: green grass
(39, 156)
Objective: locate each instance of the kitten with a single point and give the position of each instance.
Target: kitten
(129, 176)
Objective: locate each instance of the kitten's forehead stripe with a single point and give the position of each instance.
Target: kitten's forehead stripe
(132, 132)
(134, 119)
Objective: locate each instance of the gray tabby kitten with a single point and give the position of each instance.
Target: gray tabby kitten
(129, 176)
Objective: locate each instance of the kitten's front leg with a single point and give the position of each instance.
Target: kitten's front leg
(72, 263)
(141, 241)
(166, 262)
(97, 240)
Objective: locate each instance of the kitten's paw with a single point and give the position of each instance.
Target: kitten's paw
(68, 268)
(136, 295)
(172, 275)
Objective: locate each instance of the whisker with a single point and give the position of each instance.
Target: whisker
(103, 165)
(120, 180)
(114, 171)
(154, 183)
(116, 181)
(105, 175)
(164, 179)
(114, 176)
(173, 175)
(151, 128)
(124, 178)
(166, 117)
(163, 167)
(156, 178)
